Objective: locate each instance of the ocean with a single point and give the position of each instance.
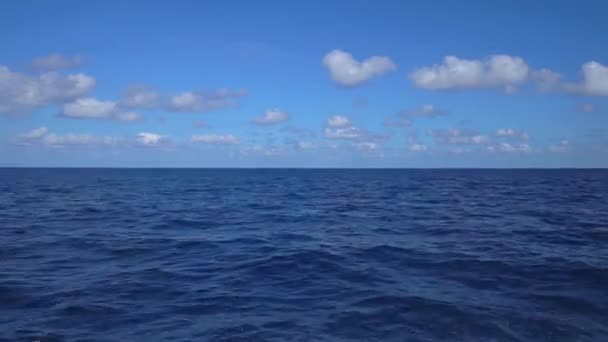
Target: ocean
(303, 255)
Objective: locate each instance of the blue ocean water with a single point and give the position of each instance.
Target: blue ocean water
(303, 255)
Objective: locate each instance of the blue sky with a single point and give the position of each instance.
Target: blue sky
(304, 84)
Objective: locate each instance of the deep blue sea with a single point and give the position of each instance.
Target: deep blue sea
(303, 255)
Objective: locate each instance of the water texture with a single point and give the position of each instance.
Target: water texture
(303, 255)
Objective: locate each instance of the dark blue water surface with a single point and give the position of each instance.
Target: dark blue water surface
(303, 255)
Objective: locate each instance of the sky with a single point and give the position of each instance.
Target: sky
(410, 84)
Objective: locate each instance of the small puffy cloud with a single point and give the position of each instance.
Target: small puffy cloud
(562, 146)
(204, 101)
(415, 147)
(257, 149)
(20, 92)
(458, 136)
(34, 134)
(348, 72)
(456, 73)
(271, 116)
(366, 146)
(57, 61)
(338, 121)
(588, 108)
(595, 80)
(511, 133)
(341, 128)
(405, 118)
(510, 148)
(215, 139)
(305, 145)
(91, 108)
(350, 132)
(150, 139)
(140, 97)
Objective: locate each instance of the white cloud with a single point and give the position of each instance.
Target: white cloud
(510, 148)
(140, 97)
(366, 146)
(271, 116)
(305, 145)
(562, 146)
(348, 72)
(458, 136)
(34, 134)
(217, 139)
(204, 101)
(57, 61)
(511, 133)
(417, 147)
(595, 80)
(91, 108)
(338, 121)
(349, 132)
(456, 73)
(20, 92)
(78, 139)
(150, 139)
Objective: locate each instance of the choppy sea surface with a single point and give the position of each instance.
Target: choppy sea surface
(303, 255)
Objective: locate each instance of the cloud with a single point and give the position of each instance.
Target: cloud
(341, 128)
(34, 134)
(366, 146)
(458, 137)
(406, 118)
(20, 92)
(150, 139)
(305, 145)
(348, 72)
(57, 61)
(562, 146)
(546, 79)
(216, 139)
(204, 101)
(350, 132)
(91, 108)
(417, 147)
(511, 133)
(456, 73)
(140, 97)
(42, 135)
(271, 116)
(78, 139)
(338, 121)
(594, 82)
(510, 148)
